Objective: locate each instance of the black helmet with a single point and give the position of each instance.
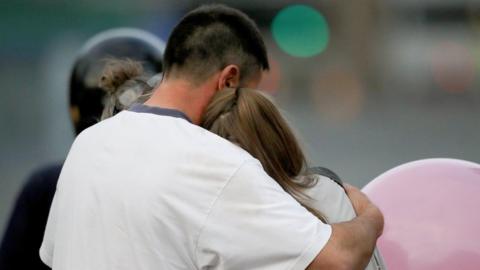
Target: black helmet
(86, 98)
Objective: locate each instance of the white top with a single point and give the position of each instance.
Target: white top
(331, 200)
(146, 189)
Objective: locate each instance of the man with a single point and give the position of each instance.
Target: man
(149, 189)
(24, 233)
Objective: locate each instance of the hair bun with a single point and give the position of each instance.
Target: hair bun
(117, 71)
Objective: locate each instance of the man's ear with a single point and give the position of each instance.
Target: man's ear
(229, 77)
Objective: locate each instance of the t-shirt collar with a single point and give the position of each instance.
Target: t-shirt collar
(142, 108)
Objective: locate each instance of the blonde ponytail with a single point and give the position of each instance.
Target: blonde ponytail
(249, 119)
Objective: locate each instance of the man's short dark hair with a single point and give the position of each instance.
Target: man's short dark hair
(211, 37)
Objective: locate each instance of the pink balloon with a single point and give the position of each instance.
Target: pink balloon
(432, 220)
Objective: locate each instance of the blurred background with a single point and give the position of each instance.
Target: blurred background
(368, 84)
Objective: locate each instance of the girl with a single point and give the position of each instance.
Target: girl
(249, 119)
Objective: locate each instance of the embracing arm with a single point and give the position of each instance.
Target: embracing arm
(352, 243)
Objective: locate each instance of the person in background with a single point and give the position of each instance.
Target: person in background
(24, 232)
(150, 189)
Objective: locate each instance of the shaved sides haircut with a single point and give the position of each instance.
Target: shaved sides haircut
(211, 37)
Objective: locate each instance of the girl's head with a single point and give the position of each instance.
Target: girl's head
(124, 82)
(249, 119)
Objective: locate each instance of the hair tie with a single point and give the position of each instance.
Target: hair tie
(237, 94)
(237, 90)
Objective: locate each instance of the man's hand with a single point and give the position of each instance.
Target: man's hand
(362, 204)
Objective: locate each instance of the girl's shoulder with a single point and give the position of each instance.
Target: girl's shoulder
(329, 197)
(326, 173)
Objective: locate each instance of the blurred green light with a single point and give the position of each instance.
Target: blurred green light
(300, 31)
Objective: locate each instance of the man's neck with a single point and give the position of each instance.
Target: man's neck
(181, 95)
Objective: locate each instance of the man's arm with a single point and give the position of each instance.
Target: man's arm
(352, 243)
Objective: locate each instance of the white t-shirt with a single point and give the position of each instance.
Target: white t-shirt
(146, 189)
(330, 199)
